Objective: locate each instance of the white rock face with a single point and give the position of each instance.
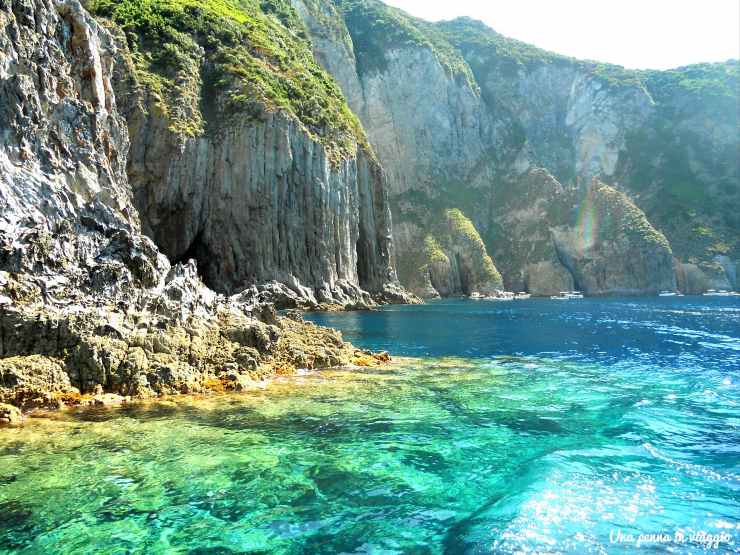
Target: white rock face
(425, 126)
(599, 120)
(446, 142)
(66, 212)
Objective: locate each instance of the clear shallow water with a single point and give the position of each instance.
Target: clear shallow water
(536, 426)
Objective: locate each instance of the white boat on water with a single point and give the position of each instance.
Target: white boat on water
(498, 296)
(669, 294)
(522, 296)
(721, 293)
(567, 296)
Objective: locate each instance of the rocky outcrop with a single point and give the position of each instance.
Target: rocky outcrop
(66, 216)
(613, 250)
(89, 306)
(451, 260)
(594, 239)
(254, 193)
(53, 356)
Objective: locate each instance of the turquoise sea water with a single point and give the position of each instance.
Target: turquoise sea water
(533, 426)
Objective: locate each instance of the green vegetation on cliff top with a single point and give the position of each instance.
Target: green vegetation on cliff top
(253, 53)
(686, 175)
(703, 81)
(378, 29)
(661, 156)
(465, 236)
(506, 55)
(619, 216)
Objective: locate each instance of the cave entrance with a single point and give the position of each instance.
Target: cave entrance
(198, 251)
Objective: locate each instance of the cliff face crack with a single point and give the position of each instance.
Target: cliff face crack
(567, 263)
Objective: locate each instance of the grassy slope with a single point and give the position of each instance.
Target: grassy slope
(254, 54)
(451, 233)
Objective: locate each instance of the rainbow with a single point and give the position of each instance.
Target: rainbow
(587, 221)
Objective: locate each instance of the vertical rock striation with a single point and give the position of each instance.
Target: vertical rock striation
(65, 205)
(257, 186)
(262, 202)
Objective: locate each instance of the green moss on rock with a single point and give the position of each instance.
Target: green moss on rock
(465, 236)
(454, 259)
(254, 55)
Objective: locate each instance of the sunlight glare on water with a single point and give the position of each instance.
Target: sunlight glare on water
(519, 427)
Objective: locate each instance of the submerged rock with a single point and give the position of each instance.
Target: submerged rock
(10, 415)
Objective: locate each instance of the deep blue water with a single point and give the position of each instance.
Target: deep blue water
(593, 426)
(660, 379)
(699, 331)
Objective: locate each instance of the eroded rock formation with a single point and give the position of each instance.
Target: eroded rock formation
(88, 303)
(256, 186)
(554, 238)
(450, 260)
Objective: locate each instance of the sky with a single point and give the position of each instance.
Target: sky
(638, 34)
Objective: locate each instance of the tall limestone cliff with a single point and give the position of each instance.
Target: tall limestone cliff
(458, 114)
(90, 308)
(244, 153)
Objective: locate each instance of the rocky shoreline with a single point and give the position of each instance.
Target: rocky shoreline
(98, 355)
(47, 404)
(91, 309)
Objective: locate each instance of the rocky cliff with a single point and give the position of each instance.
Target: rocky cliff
(450, 260)
(297, 153)
(593, 238)
(459, 115)
(244, 154)
(89, 305)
